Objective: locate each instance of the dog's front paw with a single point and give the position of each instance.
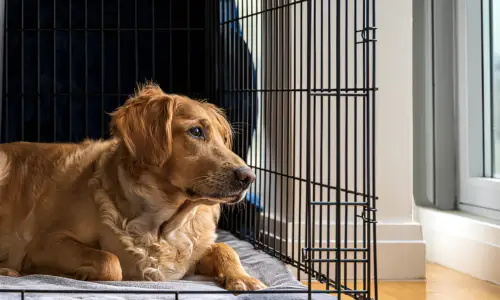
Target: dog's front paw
(240, 283)
(9, 272)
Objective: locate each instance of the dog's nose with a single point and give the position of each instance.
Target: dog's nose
(245, 175)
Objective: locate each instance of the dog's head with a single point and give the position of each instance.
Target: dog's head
(183, 143)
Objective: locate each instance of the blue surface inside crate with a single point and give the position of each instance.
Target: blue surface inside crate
(255, 201)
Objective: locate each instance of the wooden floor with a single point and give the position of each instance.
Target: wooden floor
(441, 284)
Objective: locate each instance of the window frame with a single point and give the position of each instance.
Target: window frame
(479, 192)
(453, 158)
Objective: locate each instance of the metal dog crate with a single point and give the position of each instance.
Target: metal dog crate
(296, 77)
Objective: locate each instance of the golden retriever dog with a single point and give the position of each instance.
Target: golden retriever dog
(143, 205)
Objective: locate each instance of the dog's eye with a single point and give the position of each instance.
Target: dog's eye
(196, 132)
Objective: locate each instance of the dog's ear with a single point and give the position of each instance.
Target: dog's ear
(144, 124)
(221, 123)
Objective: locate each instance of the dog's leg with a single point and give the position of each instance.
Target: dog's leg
(223, 263)
(68, 257)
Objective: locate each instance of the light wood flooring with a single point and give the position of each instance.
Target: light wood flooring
(441, 284)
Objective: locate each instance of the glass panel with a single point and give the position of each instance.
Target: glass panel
(494, 69)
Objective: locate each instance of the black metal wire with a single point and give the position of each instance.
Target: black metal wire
(346, 132)
(136, 42)
(119, 60)
(153, 41)
(22, 72)
(6, 76)
(38, 70)
(70, 63)
(170, 71)
(188, 3)
(103, 112)
(86, 58)
(338, 100)
(355, 146)
(106, 29)
(373, 200)
(274, 109)
(54, 78)
(309, 227)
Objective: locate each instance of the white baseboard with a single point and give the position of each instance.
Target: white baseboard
(462, 242)
(400, 251)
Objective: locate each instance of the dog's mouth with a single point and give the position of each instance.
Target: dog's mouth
(226, 198)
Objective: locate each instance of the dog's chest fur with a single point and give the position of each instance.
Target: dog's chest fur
(157, 257)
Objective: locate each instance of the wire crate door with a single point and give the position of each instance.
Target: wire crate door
(304, 117)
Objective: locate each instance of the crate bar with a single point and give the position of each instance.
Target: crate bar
(70, 46)
(293, 79)
(240, 100)
(240, 126)
(288, 105)
(102, 69)
(170, 70)
(269, 70)
(76, 93)
(55, 73)
(312, 102)
(262, 116)
(227, 83)
(208, 47)
(264, 11)
(319, 260)
(254, 97)
(4, 33)
(22, 71)
(249, 110)
(335, 249)
(274, 100)
(250, 41)
(136, 42)
(321, 131)
(232, 67)
(118, 45)
(300, 84)
(341, 203)
(188, 17)
(355, 146)
(108, 29)
(309, 238)
(337, 94)
(329, 175)
(314, 90)
(374, 202)
(281, 51)
(225, 52)
(338, 147)
(38, 117)
(365, 191)
(86, 70)
(153, 41)
(346, 132)
(160, 292)
(230, 79)
(368, 146)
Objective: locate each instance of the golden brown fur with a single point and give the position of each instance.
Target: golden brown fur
(143, 205)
